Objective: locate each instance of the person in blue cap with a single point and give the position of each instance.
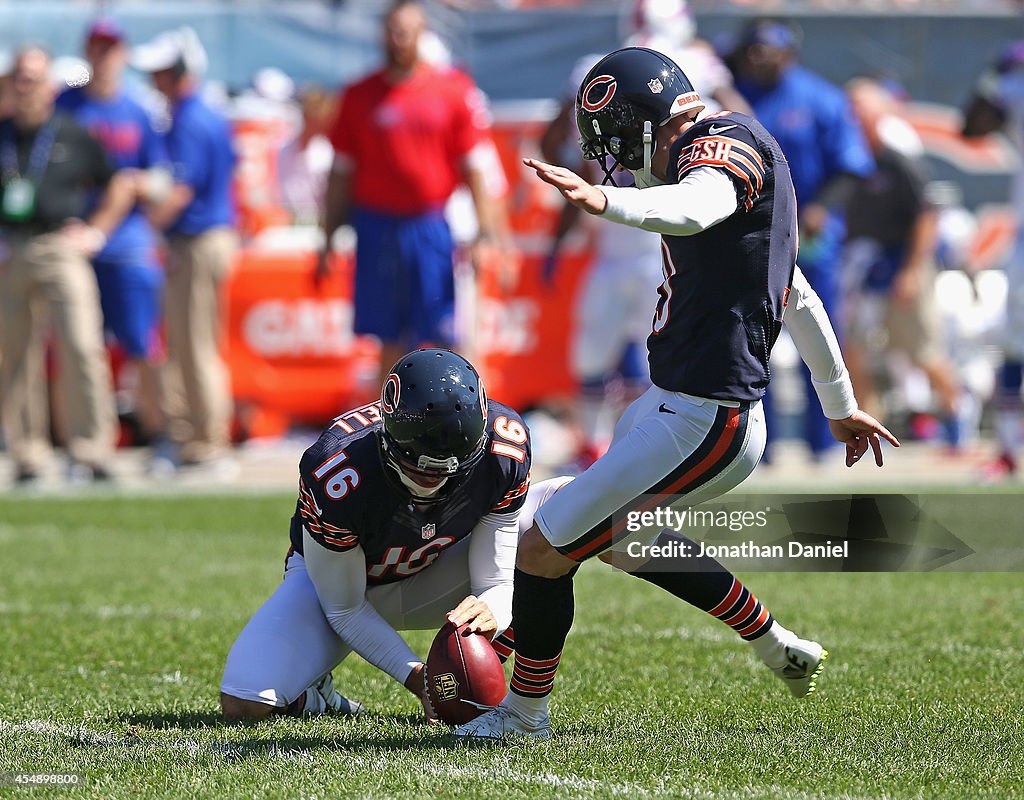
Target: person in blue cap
(814, 125)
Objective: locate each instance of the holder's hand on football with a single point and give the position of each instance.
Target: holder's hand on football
(857, 432)
(474, 612)
(574, 189)
(416, 683)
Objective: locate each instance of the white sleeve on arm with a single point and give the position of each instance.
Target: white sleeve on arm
(492, 563)
(340, 582)
(704, 197)
(812, 333)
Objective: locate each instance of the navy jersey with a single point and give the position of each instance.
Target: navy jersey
(725, 288)
(347, 500)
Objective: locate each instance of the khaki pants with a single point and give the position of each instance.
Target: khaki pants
(197, 391)
(42, 279)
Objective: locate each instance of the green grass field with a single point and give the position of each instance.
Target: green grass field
(116, 616)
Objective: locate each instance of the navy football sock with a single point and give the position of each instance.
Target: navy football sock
(710, 587)
(542, 613)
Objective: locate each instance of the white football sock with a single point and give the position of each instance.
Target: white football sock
(532, 709)
(771, 646)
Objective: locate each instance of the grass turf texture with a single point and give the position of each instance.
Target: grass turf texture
(116, 616)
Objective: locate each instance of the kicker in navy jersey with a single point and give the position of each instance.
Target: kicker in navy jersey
(720, 309)
(718, 190)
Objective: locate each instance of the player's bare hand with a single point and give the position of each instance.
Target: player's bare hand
(474, 612)
(574, 189)
(858, 432)
(417, 684)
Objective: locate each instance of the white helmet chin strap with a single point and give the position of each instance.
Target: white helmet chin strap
(645, 173)
(415, 489)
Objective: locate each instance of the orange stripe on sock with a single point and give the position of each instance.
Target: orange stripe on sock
(731, 597)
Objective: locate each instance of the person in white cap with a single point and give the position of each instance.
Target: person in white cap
(198, 218)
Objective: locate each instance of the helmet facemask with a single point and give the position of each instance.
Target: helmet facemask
(406, 467)
(601, 148)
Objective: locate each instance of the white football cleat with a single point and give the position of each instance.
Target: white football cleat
(804, 662)
(500, 722)
(331, 700)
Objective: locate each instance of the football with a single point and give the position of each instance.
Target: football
(462, 666)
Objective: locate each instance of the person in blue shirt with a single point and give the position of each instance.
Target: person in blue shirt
(812, 121)
(198, 218)
(128, 269)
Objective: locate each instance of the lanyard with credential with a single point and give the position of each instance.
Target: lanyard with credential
(37, 159)
(19, 192)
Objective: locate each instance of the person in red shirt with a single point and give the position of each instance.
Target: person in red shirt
(404, 138)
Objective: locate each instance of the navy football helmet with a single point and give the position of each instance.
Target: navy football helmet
(625, 97)
(434, 413)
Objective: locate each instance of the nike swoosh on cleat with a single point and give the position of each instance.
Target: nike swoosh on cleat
(664, 409)
(713, 130)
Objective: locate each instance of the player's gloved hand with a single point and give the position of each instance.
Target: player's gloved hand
(474, 612)
(416, 683)
(857, 432)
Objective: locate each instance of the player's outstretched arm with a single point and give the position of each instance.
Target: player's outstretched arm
(703, 198)
(816, 341)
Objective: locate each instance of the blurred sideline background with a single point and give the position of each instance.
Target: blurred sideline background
(293, 359)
